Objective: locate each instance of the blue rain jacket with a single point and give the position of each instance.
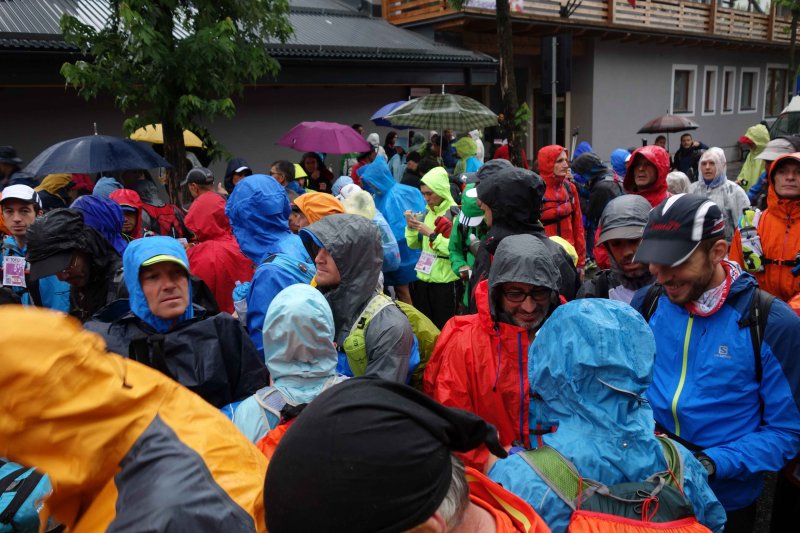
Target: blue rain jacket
(54, 292)
(139, 251)
(258, 210)
(105, 216)
(392, 199)
(707, 393)
(619, 158)
(590, 364)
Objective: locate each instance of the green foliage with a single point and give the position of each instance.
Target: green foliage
(457, 4)
(522, 117)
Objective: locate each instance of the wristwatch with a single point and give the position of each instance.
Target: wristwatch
(709, 465)
(432, 236)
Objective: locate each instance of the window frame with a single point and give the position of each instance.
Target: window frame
(755, 92)
(776, 66)
(713, 110)
(691, 100)
(731, 89)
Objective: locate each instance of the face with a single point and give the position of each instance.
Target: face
(278, 175)
(431, 198)
(686, 141)
(310, 164)
(166, 288)
(623, 250)
(530, 312)
(297, 221)
(327, 271)
(661, 141)
(644, 172)
(236, 178)
(689, 280)
(787, 180)
(708, 169)
(411, 165)
(487, 212)
(130, 222)
(18, 215)
(77, 272)
(561, 165)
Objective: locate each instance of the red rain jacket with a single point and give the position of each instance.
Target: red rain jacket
(129, 197)
(561, 206)
(656, 193)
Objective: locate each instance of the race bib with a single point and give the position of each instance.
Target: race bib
(425, 263)
(13, 271)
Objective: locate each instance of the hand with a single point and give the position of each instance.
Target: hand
(444, 226)
(464, 272)
(424, 229)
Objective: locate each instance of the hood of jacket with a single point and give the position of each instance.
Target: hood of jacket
(233, 164)
(105, 216)
(759, 134)
(439, 182)
(377, 177)
(547, 159)
(515, 198)
(206, 218)
(657, 192)
(521, 259)
(105, 186)
(391, 199)
(130, 198)
(316, 205)
(466, 147)
(718, 157)
(619, 160)
(354, 242)
(258, 210)
(54, 183)
(137, 253)
(783, 208)
(590, 364)
(299, 343)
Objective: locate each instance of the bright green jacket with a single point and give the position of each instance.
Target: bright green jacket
(752, 167)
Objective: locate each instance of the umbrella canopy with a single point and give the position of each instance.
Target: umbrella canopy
(434, 111)
(325, 137)
(155, 135)
(378, 119)
(668, 124)
(95, 153)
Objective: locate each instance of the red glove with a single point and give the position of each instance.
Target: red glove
(443, 226)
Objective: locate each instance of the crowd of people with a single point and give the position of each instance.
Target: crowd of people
(436, 340)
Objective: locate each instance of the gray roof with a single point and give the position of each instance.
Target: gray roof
(323, 29)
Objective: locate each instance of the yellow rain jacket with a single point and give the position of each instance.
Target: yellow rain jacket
(126, 448)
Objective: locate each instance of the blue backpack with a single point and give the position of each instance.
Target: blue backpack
(21, 491)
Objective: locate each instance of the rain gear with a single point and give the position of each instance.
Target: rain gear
(130, 198)
(300, 355)
(258, 210)
(392, 199)
(53, 191)
(480, 361)
(53, 293)
(752, 167)
(437, 180)
(590, 364)
(233, 164)
(561, 206)
(467, 151)
(705, 389)
(105, 186)
(354, 243)
(362, 203)
(619, 158)
(126, 448)
(216, 258)
(315, 205)
(105, 216)
(582, 148)
(730, 197)
(657, 192)
(460, 253)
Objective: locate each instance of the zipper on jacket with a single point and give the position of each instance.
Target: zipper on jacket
(521, 389)
(682, 380)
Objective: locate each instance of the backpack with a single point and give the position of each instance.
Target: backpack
(424, 330)
(655, 504)
(165, 220)
(301, 271)
(558, 218)
(21, 490)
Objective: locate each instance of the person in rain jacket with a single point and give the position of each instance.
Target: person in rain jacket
(392, 199)
(125, 447)
(301, 358)
(466, 150)
(714, 185)
(756, 137)
(210, 356)
(237, 170)
(590, 365)
(619, 159)
(561, 207)
(56, 190)
(357, 201)
(312, 206)
(258, 210)
(480, 361)
(647, 174)
(687, 156)
(105, 186)
(105, 216)
(348, 256)
(215, 257)
(434, 293)
(465, 239)
(137, 222)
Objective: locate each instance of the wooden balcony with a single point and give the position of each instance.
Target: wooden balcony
(679, 17)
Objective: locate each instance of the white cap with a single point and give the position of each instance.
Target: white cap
(22, 192)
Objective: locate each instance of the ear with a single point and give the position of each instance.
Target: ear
(434, 524)
(718, 251)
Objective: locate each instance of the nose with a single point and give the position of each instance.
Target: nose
(529, 305)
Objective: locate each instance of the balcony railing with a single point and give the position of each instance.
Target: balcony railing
(673, 16)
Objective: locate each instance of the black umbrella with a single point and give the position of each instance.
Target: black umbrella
(95, 153)
(668, 124)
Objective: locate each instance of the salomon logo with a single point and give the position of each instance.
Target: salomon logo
(723, 352)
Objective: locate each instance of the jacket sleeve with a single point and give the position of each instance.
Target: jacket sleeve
(455, 248)
(243, 365)
(577, 227)
(739, 202)
(391, 251)
(389, 339)
(735, 252)
(440, 245)
(777, 440)
(707, 508)
(412, 239)
(268, 281)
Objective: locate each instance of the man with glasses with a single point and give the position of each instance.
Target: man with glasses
(480, 362)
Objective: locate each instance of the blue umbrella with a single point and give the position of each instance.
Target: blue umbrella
(95, 153)
(378, 119)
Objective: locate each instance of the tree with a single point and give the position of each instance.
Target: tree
(175, 62)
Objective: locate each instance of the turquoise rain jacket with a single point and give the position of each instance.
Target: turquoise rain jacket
(258, 209)
(589, 366)
(54, 292)
(392, 199)
(300, 355)
(705, 391)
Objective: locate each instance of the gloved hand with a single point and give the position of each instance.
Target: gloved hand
(241, 291)
(443, 226)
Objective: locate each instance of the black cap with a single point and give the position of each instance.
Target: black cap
(676, 227)
(9, 156)
(199, 175)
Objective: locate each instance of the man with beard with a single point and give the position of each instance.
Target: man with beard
(716, 389)
(622, 225)
(480, 361)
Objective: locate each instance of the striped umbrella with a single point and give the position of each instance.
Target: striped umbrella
(450, 111)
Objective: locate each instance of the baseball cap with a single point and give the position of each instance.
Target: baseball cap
(243, 170)
(23, 193)
(199, 175)
(164, 258)
(776, 148)
(676, 227)
(50, 265)
(625, 217)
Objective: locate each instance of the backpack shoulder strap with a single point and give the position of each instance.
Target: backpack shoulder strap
(756, 320)
(674, 461)
(271, 400)
(557, 472)
(378, 302)
(650, 303)
(23, 491)
(602, 284)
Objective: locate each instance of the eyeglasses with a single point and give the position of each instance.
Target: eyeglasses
(518, 296)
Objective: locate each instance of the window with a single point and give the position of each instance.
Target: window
(748, 90)
(728, 85)
(683, 80)
(777, 90)
(709, 90)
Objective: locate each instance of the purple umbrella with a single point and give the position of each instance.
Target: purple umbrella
(325, 137)
(378, 119)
